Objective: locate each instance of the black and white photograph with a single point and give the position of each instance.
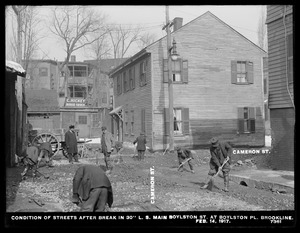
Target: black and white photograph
(149, 115)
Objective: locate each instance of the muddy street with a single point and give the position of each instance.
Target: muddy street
(154, 184)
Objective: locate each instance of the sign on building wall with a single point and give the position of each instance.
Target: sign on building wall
(73, 102)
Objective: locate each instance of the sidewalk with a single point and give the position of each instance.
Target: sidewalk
(276, 181)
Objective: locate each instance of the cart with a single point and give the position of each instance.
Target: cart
(56, 139)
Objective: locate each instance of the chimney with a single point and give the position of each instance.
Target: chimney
(177, 22)
(73, 58)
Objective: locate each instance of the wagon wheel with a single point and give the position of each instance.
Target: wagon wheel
(47, 137)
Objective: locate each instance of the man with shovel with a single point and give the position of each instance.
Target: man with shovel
(32, 158)
(184, 156)
(220, 161)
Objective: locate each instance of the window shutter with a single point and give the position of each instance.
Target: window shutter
(233, 72)
(165, 71)
(185, 121)
(252, 119)
(240, 120)
(249, 70)
(251, 113)
(166, 121)
(252, 125)
(185, 71)
(258, 112)
(133, 77)
(143, 122)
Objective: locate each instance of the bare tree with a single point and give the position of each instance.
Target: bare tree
(262, 29)
(77, 27)
(145, 40)
(122, 38)
(30, 35)
(100, 48)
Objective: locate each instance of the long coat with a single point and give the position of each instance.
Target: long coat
(109, 141)
(141, 142)
(218, 154)
(88, 177)
(71, 142)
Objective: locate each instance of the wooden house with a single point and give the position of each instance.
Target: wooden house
(281, 84)
(14, 112)
(217, 88)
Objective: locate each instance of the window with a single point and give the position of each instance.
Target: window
(111, 100)
(290, 58)
(143, 68)
(177, 120)
(119, 84)
(125, 81)
(246, 120)
(179, 71)
(132, 122)
(126, 123)
(78, 71)
(77, 91)
(43, 71)
(104, 98)
(131, 75)
(181, 121)
(242, 72)
(82, 120)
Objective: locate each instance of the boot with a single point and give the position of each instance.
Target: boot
(208, 179)
(226, 183)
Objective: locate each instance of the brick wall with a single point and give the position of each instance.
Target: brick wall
(282, 126)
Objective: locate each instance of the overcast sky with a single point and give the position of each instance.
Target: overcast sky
(243, 18)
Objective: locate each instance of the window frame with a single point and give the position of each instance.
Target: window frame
(246, 120)
(143, 72)
(80, 117)
(235, 72)
(43, 71)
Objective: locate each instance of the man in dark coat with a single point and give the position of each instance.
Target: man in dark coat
(107, 145)
(92, 187)
(219, 151)
(71, 144)
(33, 156)
(141, 145)
(184, 154)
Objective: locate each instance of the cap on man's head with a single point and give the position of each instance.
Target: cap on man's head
(71, 127)
(142, 133)
(214, 141)
(103, 128)
(177, 148)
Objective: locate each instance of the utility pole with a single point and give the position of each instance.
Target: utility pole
(170, 81)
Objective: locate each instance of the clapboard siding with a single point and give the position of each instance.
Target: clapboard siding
(279, 96)
(135, 100)
(209, 46)
(274, 12)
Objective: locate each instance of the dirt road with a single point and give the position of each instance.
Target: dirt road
(150, 185)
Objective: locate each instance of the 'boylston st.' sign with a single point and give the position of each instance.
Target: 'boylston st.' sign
(73, 102)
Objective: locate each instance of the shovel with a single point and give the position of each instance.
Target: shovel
(185, 161)
(45, 176)
(212, 181)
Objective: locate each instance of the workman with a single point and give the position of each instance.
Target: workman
(92, 188)
(107, 146)
(184, 154)
(219, 151)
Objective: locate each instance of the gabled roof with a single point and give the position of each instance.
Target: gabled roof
(106, 65)
(43, 100)
(206, 13)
